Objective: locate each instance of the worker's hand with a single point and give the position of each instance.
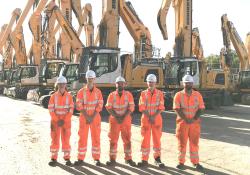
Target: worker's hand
(60, 123)
(89, 120)
(196, 117)
(119, 118)
(189, 120)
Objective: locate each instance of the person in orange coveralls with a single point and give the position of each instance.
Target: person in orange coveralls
(120, 105)
(61, 108)
(89, 102)
(188, 105)
(151, 104)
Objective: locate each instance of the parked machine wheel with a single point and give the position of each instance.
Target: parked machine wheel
(44, 101)
(245, 99)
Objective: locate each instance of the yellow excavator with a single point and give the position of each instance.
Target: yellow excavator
(139, 32)
(240, 86)
(23, 75)
(188, 56)
(67, 6)
(6, 49)
(50, 69)
(108, 62)
(5, 37)
(244, 77)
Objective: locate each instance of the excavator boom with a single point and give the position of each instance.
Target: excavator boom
(230, 33)
(136, 28)
(72, 37)
(161, 17)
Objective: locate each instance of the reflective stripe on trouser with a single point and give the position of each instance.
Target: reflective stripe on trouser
(146, 128)
(95, 129)
(63, 132)
(184, 132)
(114, 132)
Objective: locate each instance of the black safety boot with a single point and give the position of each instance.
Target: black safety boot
(143, 163)
(180, 166)
(198, 167)
(53, 162)
(159, 163)
(111, 162)
(79, 162)
(68, 162)
(97, 162)
(130, 162)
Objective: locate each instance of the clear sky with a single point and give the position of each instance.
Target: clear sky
(206, 16)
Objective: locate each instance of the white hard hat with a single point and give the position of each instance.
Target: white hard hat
(120, 79)
(90, 74)
(187, 79)
(151, 78)
(61, 79)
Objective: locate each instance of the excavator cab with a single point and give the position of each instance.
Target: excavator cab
(244, 79)
(178, 67)
(20, 79)
(71, 72)
(104, 61)
(4, 74)
(49, 70)
(10, 81)
(244, 86)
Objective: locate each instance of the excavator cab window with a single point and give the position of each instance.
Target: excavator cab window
(28, 72)
(71, 72)
(103, 63)
(220, 78)
(14, 77)
(244, 79)
(6, 74)
(2, 76)
(176, 69)
(53, 70)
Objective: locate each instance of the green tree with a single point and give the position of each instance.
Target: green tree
(213, 61)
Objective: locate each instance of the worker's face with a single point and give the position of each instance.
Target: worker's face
(188, 85)
(151, 85)
(120, 85)
(61, 87)
(90, 80)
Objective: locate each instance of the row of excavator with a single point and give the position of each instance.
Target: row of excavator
(57, 49)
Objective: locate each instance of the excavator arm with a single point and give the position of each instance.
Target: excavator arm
(136, 28)
(6, 50)
(237, 43)
(183, 28)
(161, 17)
(226, 51)
(248, 49)
(3, 28)
(88, 25)
(72, 37)
(76, 7)
(18, 43)
(197, 49)
(18, 35)
(108, 29)
(35, 24)
(67, 6)
(48, 37)
(15, 14)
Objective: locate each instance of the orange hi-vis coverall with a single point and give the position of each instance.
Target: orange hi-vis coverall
(120, 104)
(61, 107)
(184, 131)
(90, 101)
(151, 102)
